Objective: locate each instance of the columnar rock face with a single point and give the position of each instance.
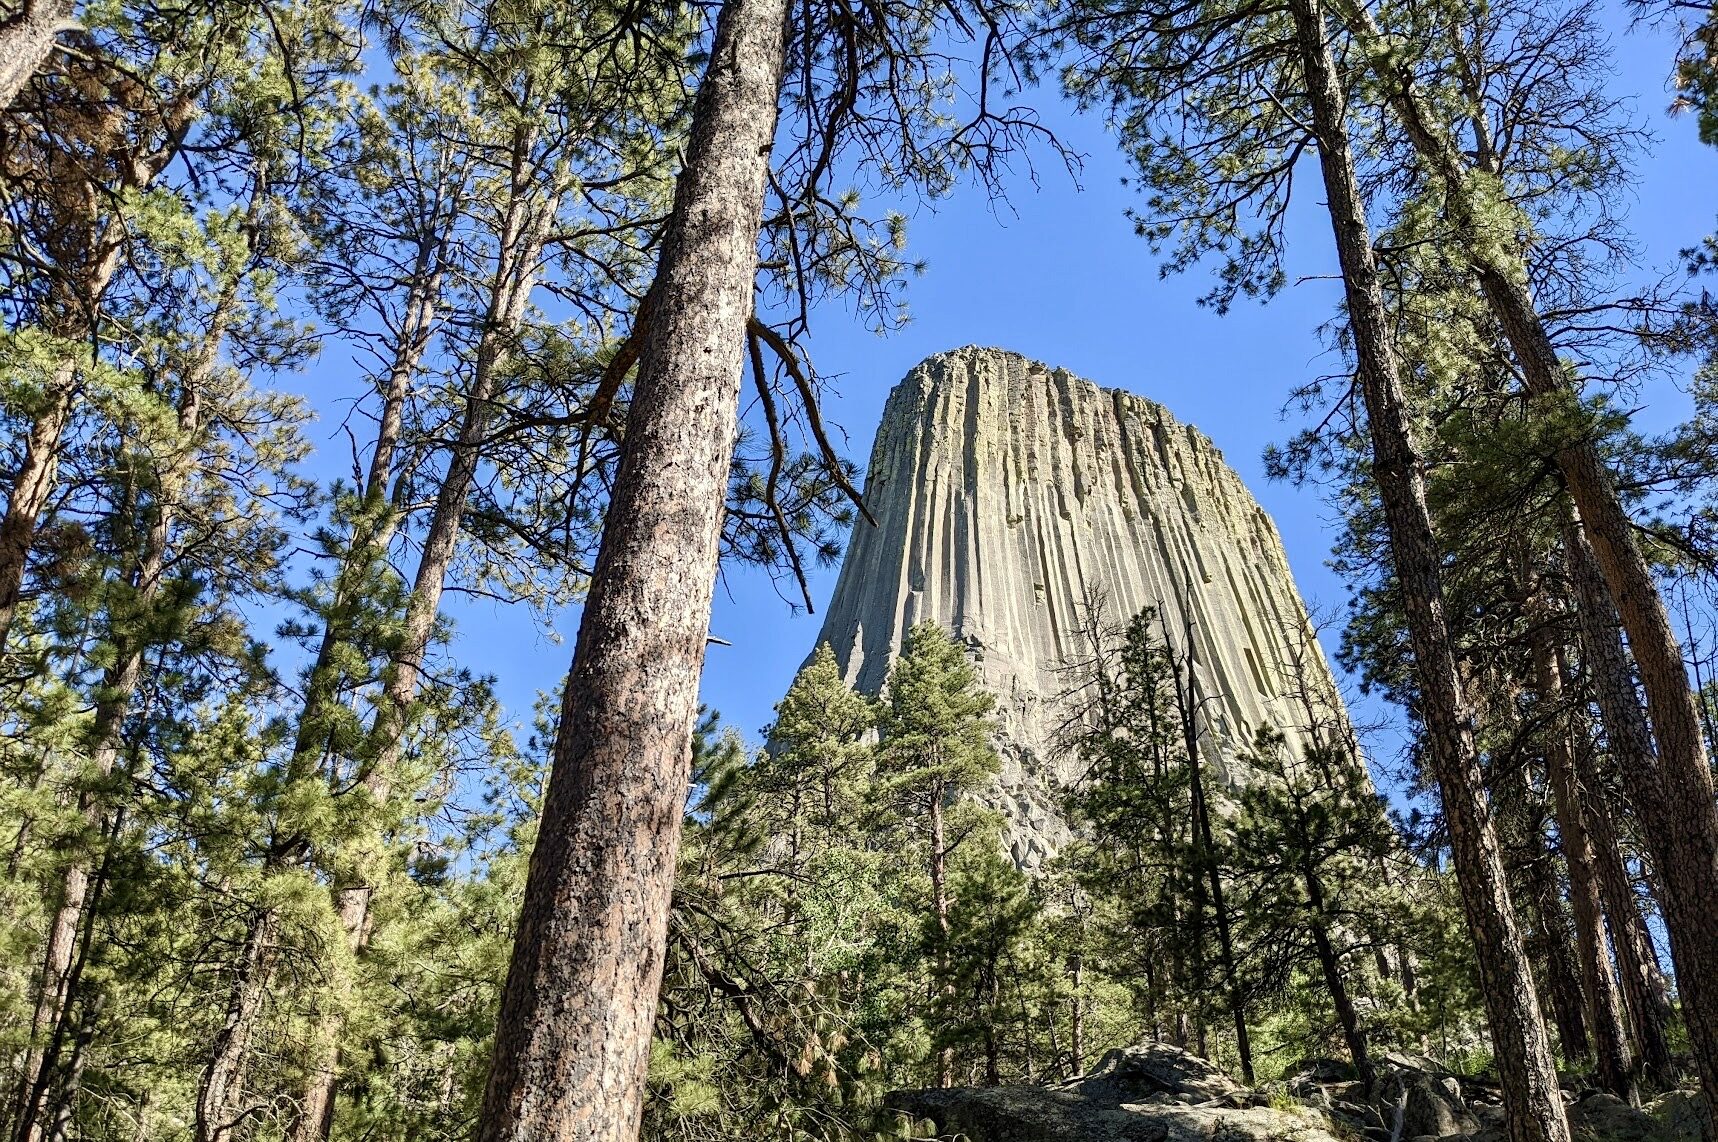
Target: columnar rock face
(1013, 500)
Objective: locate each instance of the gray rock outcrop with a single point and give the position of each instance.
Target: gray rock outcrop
(1156, 1092)
(1015, 501)
(1151, 1093)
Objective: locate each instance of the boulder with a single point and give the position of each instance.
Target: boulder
(1153, 1093)
(1419, 1103)
(1401, 1061)
(1064, 1114)
(1604, 1117)
(1679, 1113)
(1133, 1074)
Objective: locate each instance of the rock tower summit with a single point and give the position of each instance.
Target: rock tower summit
(1010, 497)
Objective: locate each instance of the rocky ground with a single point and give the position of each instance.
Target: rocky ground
(1159, 1093)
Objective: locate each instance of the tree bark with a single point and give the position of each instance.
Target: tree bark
(75, 305)
(221, 1108)
(1673, 830)
(119, 687)
(355, 870)
(30, 488)
(520, 241)
(34, 1097)
(27, 39)
(579, 1004)
(1353, 1033)
(939, 906)
(1205, 854)
(1644, 993)
(1526, 1069)
(66, 1101)
(1077, 1017)
(371, 535)
(1559, 969)
(1598, 984)
(1220, 908)
(1682, 778)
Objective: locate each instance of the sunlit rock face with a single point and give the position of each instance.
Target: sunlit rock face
(1011, 499)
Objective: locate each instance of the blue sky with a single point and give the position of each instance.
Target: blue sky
(1057, 274)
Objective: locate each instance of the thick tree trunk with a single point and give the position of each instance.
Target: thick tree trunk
(1526, 1069)
(1644, 993)
(27, 39)
(1598, 984)
(1687, 811)
(577, 1011)
(31, 487)
(1673, 832)
(1551, 942)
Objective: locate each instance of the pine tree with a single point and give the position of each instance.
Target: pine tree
(934, 752)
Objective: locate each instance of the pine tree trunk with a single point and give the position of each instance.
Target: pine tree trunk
(34, 481)
(1554, 948)
(1687, 811)
(1674, 833)
(1027, 1050)
(1598, 985)
(30, 489)
(119, 687)
(939, 906)
(1644, 993)
(34, 1096)
(27, 39)
(1077, 1021)
(1352, 1032)
(1526, 1069)
(355, 870)
(1205, 852)
(520, 242)
(378, 518)
(66, 1101)
(992, 1047)
(371, 537)
(1225, 940)
(577, 1011)
(221, 1101)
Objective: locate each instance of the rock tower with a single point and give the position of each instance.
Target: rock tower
(1011, 499)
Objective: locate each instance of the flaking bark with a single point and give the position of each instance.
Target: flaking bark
(1526, 1068)
(1686, 812)
(579, 1004)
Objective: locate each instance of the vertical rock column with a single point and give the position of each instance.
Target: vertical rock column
(1010, 497)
